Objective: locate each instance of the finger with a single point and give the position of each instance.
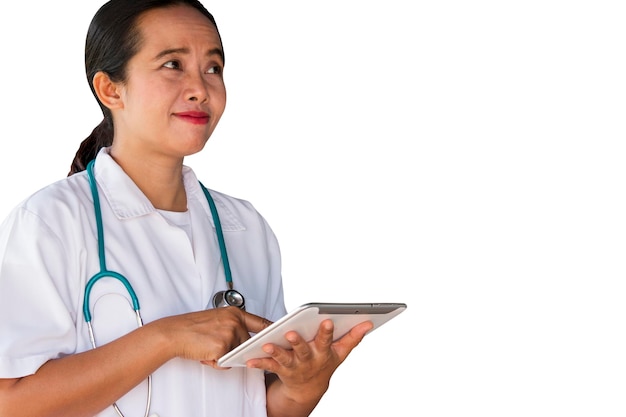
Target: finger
(255, 323)
(299, 347)
(324, 336)
(267, 364)
(351, 339)
(270, 362)
(360, 330)
(214, 365)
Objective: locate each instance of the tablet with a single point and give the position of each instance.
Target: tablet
(306, 320)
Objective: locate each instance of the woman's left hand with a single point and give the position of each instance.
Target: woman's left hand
(304, 371)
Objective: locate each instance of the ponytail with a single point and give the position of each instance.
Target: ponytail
(100, 137)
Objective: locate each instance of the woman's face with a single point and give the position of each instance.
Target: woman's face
(174, 93)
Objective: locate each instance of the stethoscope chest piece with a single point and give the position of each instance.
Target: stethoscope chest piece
(229, 298)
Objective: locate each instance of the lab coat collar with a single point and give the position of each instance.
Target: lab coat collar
(127, 201)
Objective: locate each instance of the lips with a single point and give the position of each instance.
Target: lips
(194, 117)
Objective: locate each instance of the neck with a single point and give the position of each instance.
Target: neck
(160, 179)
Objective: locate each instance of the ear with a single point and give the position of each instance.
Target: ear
(107, 91)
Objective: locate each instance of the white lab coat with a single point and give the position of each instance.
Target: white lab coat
(48, 251)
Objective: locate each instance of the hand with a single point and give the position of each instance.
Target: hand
(207, 335)
(306, 369)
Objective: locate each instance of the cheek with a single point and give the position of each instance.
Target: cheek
(216, 88)
(219, 99)
(152, 94)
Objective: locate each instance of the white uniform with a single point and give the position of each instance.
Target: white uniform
(48, 252)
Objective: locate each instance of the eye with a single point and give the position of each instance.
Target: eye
(172, 65)
(216, 69)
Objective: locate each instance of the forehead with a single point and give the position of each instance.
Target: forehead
(175, 27)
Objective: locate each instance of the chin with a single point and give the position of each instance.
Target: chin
(194, 148)
(185, 143)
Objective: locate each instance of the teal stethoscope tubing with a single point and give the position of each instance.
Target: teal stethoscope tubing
(220, 236)
(102, 255)
(105, 273)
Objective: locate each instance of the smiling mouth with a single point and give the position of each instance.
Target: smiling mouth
(194, 117)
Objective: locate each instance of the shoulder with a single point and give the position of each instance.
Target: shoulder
(55, 204)
(67, 193)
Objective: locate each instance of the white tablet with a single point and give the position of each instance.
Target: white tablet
(306, 320)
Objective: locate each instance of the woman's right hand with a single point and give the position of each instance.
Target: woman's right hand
(207, 335)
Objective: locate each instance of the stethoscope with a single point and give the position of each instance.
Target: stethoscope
(229, 297)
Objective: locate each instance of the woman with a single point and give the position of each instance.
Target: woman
(155, 67)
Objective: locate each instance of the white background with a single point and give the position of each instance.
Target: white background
(466, 158)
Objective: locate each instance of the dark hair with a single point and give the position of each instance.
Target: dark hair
(112, 40)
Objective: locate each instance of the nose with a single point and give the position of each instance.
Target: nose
(196, 88)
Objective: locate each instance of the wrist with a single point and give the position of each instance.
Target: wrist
(163, 344)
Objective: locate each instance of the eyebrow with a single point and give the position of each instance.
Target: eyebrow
(166, 52)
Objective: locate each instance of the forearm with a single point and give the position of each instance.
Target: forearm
(86, 383)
